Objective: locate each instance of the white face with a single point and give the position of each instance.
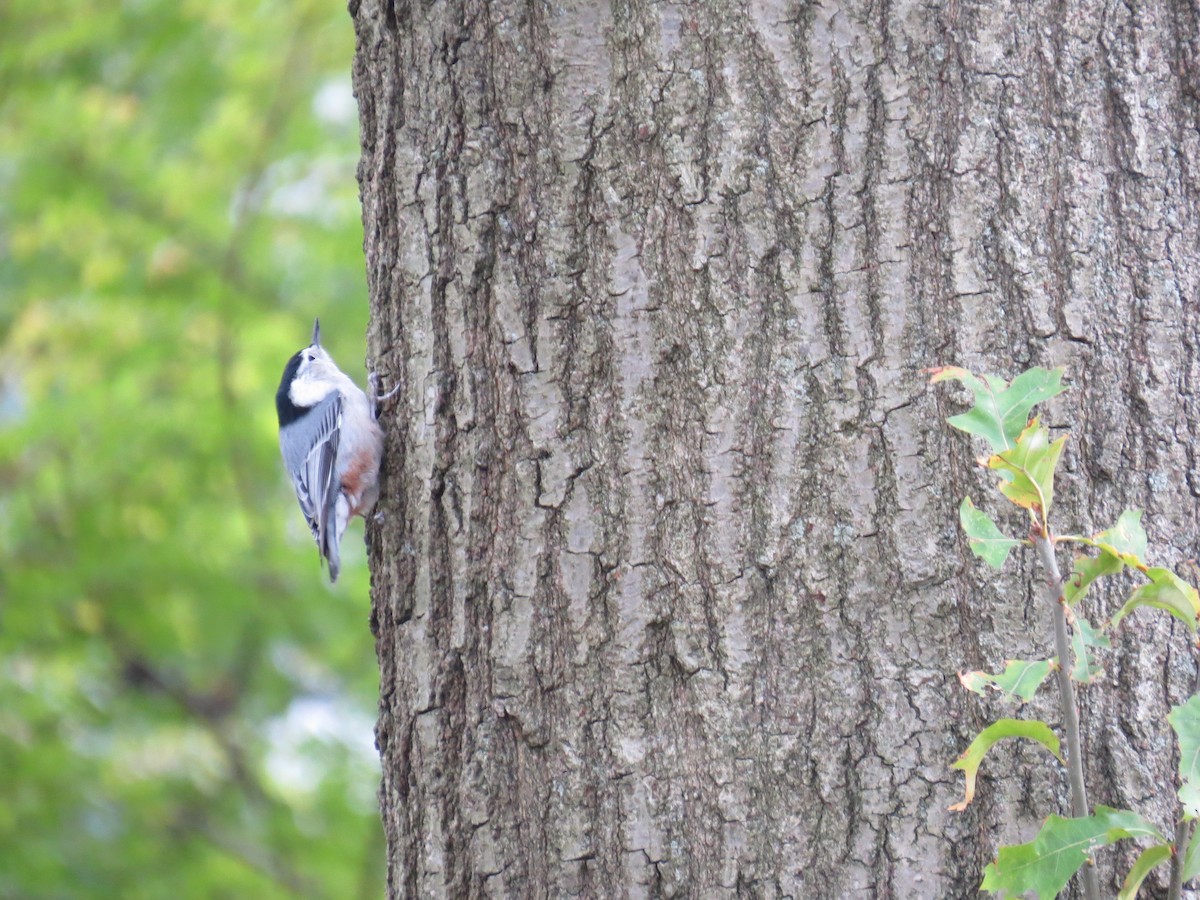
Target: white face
(315, 379)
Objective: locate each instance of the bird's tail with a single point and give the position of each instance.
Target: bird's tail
(331, 546)
(330, 552)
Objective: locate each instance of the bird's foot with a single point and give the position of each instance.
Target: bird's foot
(374, 397)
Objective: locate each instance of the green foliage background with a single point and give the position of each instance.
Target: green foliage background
(185, 705)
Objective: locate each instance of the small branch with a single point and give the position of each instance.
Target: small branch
(1066, 693)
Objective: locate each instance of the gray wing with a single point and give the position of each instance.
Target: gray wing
(310, 446)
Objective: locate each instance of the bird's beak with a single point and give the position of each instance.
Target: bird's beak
(316, 333)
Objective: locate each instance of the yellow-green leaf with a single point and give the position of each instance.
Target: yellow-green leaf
(1166, 591)
(1001, 410)
(1122, 545)
(1028, 468)
(1021, 678)
(1147, 860)
(1126, 539)
(972, 757)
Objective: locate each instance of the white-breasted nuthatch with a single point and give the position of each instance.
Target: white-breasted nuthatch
(331, 444)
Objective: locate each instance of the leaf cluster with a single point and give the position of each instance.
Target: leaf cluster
(1026, 459)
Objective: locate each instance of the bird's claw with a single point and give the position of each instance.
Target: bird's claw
(375, 398)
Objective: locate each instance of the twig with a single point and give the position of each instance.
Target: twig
(1066, 692)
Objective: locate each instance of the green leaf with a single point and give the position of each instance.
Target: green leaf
(1083, 638)
(1191, 859)
(1046, 864)
(1126, 539)
(1185, 720)
(1088, 569)
(1028, 468)
(986, 540)
(1166, 591)
(1189, 799)
(1020, 678)
(969, 762)
(1122, 545)
(1147, 860)
(1001, 410)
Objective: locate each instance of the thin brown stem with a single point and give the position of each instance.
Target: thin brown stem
(1066, 692)
(1184, 833)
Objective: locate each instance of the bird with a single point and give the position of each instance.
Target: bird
(332, 444)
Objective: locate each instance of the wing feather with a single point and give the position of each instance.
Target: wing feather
(310, 454)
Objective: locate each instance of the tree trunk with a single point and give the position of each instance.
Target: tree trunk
(669, 593)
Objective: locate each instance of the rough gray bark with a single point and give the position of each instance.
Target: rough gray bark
(669, 595)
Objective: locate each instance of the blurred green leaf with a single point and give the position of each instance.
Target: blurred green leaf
(1084, 638)
(177, 201)
(1166, 591)
(1047, 863)
(1126, 539)
(986, 540)
(1185, 720)
(1191, 859)
(1086, 570)
(1021, 678)
(1147, 860)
